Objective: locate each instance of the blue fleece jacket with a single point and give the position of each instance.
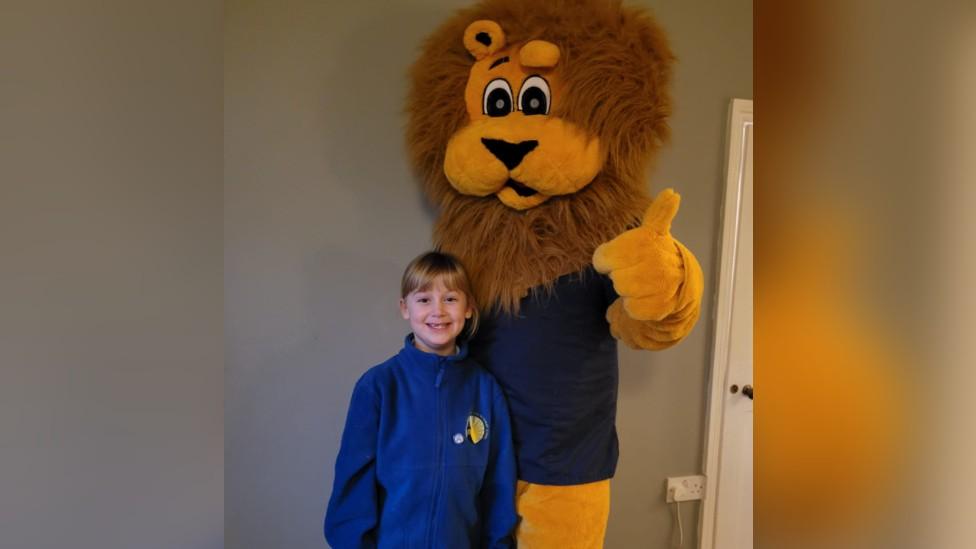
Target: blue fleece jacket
(426, 459)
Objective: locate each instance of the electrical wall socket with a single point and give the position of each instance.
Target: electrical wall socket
(685, 488)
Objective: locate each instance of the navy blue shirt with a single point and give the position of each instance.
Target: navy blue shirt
(426, 458)
(557, 364)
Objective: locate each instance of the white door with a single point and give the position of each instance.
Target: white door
(726, 519)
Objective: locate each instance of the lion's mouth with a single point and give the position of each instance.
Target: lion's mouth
(519, 188)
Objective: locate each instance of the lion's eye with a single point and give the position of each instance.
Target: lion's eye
(498, 98)
(534, 96)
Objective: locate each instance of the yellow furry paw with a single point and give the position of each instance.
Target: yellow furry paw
(647, 265)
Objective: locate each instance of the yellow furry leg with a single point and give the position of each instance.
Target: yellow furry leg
(562, 517)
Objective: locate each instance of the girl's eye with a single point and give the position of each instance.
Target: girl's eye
(422, 300)
(452, 299)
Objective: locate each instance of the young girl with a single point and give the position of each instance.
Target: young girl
(426, 457)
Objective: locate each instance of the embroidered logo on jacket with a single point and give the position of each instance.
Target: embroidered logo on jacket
(477, 428)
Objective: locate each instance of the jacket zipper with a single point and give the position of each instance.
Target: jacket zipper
(439, 451)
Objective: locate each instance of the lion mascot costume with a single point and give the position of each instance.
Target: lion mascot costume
(532, 124)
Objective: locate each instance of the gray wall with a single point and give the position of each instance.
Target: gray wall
(111, 366)
(322, 213)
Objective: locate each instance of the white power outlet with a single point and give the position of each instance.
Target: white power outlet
(685, 488)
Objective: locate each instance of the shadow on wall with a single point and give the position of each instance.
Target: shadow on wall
(368, 86)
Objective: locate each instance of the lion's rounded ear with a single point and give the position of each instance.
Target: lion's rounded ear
(539, 54)
(483, 38)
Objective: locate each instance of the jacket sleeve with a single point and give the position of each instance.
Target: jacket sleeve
(353, 513)
(498, 489)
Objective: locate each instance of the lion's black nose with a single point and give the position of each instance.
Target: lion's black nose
(511, 154)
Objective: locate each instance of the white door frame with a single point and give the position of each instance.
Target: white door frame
(740, 122)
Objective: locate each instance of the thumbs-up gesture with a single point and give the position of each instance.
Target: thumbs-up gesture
(654, 274)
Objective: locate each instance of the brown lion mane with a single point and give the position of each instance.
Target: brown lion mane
(616, 66)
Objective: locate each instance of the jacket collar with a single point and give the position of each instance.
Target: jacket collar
(415, 357)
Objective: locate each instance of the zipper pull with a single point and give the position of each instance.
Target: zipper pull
(440, 376)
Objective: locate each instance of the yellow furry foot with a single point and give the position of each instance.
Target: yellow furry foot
(563, 517)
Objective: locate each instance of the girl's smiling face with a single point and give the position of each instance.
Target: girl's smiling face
(436, 315)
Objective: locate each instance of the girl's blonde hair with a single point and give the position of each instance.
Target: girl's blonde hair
(427, 267)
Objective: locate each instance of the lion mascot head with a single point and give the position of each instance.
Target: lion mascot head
(531, 125)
